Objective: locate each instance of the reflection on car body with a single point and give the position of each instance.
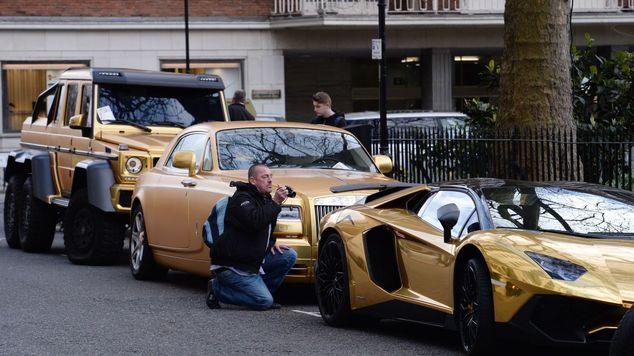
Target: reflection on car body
(173, 200)
(552, 260)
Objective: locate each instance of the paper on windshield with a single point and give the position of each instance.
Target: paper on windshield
(105, 114)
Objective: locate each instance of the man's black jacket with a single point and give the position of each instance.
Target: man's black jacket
(337, 120)
(246, 237)
(238, 112)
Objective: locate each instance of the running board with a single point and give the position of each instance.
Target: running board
(63, 202)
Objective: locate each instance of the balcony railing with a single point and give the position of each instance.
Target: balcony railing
(415, 7)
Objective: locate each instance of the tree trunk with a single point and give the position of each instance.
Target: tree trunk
(536, 90)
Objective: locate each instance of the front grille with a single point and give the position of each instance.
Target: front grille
(323, 210)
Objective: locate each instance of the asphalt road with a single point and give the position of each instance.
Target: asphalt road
(49, 306)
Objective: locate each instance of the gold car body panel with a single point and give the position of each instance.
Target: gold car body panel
(175, 214)
(426, 263)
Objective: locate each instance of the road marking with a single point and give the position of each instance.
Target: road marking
(315, 314)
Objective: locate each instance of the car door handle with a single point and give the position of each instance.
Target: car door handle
(188, 183)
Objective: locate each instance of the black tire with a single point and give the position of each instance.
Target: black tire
(12, 198)
(91, 236)
(474, 307)
(37, 221)
(623, 341)
(332, 283)
(142, 264)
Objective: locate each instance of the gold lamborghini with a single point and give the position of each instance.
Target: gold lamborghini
(172, 201)
(554, 261)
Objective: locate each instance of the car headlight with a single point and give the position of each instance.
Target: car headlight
(340, 200)
(133, 165)
(557, 268)
(289, 213)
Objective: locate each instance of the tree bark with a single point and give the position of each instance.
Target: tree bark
(536, 89)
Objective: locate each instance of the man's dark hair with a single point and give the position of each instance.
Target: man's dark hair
(238, 96)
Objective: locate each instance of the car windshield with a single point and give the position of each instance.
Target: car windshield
(291, 147)
(596, 214)
(158, 106)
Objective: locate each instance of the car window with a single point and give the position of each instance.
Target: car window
(86, 101)
(192, 142)
(451, 122)
(207, 157)
(429, 210)
(61, 103)
(290, 147)
(71, 101)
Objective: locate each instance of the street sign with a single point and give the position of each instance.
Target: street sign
(376, 48)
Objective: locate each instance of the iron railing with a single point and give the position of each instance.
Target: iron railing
(431, 155)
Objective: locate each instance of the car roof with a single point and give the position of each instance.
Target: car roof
(144, 77)
(403, 114)
(215, 126)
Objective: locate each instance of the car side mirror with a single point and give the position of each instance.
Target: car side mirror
(77, 121)
(185, 160)
(384, 163)
(448, 216)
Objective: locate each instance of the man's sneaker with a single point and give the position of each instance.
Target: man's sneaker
(275, 306)
(211, 300)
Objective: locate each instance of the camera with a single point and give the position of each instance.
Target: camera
(291, 192)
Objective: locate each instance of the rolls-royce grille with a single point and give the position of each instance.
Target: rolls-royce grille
(323, 210)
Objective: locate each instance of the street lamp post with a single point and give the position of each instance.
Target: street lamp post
(187, 36)
(382, 79)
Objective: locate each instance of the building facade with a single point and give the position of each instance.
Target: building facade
(279, 51)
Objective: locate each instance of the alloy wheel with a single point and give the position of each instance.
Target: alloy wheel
(330, 278)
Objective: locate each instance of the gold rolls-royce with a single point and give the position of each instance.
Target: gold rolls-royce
(172, 201)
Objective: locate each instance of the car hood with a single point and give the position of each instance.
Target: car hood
(316, 182)
(610, 263)
(152, 143)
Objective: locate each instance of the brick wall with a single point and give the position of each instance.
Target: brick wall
(144, 8)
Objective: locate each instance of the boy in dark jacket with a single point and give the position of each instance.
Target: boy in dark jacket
(247, 262)
(322, 106)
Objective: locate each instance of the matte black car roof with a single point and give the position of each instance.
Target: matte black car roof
(145, 77)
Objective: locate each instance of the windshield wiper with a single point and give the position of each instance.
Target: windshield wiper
(170, 123)
(131, 123)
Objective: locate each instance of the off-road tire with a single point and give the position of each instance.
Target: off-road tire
(36, 227)
(141, 257)
(91, 236)
(12, 199)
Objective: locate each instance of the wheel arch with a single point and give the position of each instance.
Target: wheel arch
(38, 165)
(323, 236)
(97, 177)
(466, 253)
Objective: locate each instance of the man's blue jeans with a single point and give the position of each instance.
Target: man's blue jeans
(254, 291)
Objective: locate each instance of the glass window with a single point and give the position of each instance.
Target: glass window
(207, 163)
(22, 84)
(86, 103)
(429, 210)
(61, 103)
(71, 102)
(595, 213)
(194, 142)
(291, 148)
(160, 106)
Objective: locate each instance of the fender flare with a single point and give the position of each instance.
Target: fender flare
(97, 177)
(38, 164)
